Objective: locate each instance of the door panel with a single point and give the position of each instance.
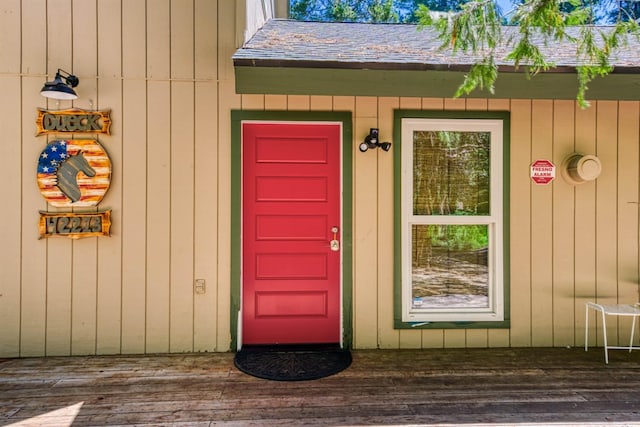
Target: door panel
(291, 202)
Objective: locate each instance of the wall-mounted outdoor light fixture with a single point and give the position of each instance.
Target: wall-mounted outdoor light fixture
(61, 87)
(372, 141)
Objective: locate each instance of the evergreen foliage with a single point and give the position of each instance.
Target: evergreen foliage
(475, 27)
(344, 10)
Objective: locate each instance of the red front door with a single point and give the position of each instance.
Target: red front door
(291, 214)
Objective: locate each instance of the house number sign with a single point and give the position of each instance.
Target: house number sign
(74, 225)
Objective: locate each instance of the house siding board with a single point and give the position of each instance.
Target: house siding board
(542, 228)
(182, 212)
(321, 103)
(628, 175)
(520, 233)
(206, 39)
(33, 37)
(227, 100)
(158, 40)
(10, 150)
(168, 78)
(223, 289)
(388, 337)
(182, 39)
(10, 234)
(33, 256)
(134, 31)
(563, 258)
(585, 227)
(58, 298)
(365, 236)
(298, 102)
(158, 217)
(108, 303)
(9, 26)
(84, 298)
(606, 209)
(205, 215)
(134, 215)
(59, 36)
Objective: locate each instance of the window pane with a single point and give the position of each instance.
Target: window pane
(450, 267)
(451, 173)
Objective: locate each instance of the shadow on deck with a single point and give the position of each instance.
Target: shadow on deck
(496, 387)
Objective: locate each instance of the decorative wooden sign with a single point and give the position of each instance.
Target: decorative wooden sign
(74, 225)
(73, 121)
(74, 173)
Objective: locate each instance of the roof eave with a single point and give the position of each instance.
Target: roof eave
(276, 76)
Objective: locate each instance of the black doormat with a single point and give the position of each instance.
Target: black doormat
(292, 362)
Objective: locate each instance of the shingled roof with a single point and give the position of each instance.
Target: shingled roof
(333, 58)
(287, 43)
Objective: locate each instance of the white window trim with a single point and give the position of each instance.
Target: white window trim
(495, 311)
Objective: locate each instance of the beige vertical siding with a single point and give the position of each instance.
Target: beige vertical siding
(627, 208)
(159, 66)
(30, 306)
(569, 244)
(11, 148)
(585, 222)
(387, 336)
(164, 69)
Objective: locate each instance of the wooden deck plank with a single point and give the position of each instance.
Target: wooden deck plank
(385, 387)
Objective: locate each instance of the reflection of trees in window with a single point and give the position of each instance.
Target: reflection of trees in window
(450, 177)
(451, 173)
(452, 265)
(452, 270)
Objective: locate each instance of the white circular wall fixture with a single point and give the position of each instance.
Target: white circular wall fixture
(581, 168)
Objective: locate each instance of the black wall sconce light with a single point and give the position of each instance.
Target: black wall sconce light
(61, 87)
(372, 141)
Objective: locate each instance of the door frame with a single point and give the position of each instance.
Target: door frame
(346, 179)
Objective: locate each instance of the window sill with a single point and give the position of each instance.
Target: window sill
(399, 324)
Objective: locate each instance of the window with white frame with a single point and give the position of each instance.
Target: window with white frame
(452, 220)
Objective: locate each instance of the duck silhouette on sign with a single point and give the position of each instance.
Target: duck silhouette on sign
(67, 175)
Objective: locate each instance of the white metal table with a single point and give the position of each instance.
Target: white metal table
(611, 310)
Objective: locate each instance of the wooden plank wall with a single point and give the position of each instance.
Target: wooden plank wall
(569, 244)
(160, 66)
(164, 69)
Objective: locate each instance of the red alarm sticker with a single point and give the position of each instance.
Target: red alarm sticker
(542, 171)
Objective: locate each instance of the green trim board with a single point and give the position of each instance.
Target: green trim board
(397, 202)
(237, 117)
(427, 83)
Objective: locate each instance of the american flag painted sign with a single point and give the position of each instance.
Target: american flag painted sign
(73, 173)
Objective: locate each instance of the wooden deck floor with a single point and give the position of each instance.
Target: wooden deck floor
(406, 387)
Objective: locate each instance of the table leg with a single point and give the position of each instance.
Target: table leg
(633, 329)
(586, 328)
(604, 335)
